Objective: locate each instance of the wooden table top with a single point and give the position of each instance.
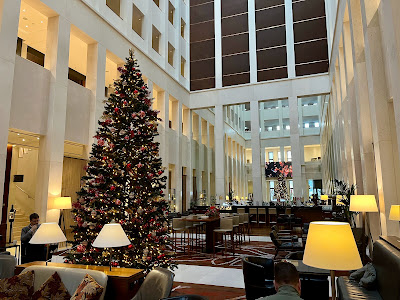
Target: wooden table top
(116, 272)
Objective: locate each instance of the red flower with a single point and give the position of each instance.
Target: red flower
(116, 109)
(135, 91)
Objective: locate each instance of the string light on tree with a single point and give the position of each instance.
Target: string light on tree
(124, 181)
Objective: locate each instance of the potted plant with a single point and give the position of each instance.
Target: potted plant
(345, 190)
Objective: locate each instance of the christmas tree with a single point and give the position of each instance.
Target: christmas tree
(124, 181)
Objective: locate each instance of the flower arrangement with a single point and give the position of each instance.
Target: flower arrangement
(212, 211)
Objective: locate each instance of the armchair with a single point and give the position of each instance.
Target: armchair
(258, 273)
(284, 244)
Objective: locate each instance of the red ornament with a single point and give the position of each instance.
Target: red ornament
(161, 192)
(160, 172)
(118, 202)
(130, 246)
(80, 248)
(135, 91)
(116, 109)
(112, 188)
(143, 87)
(137, 74)
(125, 102)
(126, 137)
(133, 69)
(142, 149)
(139, 165)
(128, 166)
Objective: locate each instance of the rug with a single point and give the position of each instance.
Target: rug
(210, 291)
(228, 260)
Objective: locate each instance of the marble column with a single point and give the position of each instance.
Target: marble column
(295, 147)
(256, 155)
(219, 136)
(163, 129)
(51, 149)
(177, 108)
(9, 18)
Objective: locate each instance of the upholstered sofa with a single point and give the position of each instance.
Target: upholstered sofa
(71, 277)
(386, 260)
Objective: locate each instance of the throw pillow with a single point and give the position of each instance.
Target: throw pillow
(17, 287)
(52, 289)
(357, 274)
(369, 279)
(89, 289)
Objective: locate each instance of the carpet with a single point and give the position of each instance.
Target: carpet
(228, 260)
(210, 291)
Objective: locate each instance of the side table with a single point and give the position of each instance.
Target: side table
(123, 283)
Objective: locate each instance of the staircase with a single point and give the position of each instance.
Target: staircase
(21, 220)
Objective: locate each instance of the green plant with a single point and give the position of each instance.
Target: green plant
(345, 190)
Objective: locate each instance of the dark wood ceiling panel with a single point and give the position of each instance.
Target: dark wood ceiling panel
(235, 44)
(202, 69)
(203, 84)
(202, 13)
(202, 50)
(234, 25)
(309, 30)
(236, 79)
(308, 9)
(235, 64)
(202, 31)
(272, 74)
(233, 7)
(197, 2)
(311, 51)
(312, 68)
(271, 58)
(268, 3)
(270, 17)
(271, 37)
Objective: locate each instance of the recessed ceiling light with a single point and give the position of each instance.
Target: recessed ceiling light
(38, 138)
(41, 22)
(24, 10)
(26, 26)
(17, 133)
(23, 140)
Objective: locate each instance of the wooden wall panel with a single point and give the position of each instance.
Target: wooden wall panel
(309, 30)
(270, 17)
(260, 4)
(198, 2)
(202, 31)
(202, 69)
(236, 24)
(235, 44)
(233, 7)
(202, 50)
(272, 74)
(236, 79)
(312, 68)
(235, 64)
(308, 9)
(311, 51)
(271, 37)
(271, 58)
(202, 13)
(202, 84)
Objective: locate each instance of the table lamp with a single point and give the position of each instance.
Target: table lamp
(62, 203)
(331, 246)
(394, 213)
(48, 233)
(364, 204)
(339, 200)
(111, 235)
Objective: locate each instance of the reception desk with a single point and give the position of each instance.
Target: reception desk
(307, 214)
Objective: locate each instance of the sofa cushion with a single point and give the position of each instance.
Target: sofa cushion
(71, 277)
(89, 289)
(369, 279)
(349, 289)
(17, 287)
(52, 289)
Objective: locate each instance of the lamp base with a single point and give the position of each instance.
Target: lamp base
(333, 284)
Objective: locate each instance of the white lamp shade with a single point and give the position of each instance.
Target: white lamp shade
(62, 203)
(331, 246)
(363, 203)
(48, 233)
(110, 236)
(394, 213)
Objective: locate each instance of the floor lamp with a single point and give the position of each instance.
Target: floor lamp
(111, 235)
(331, 246)
(48, 233)
(394, 214)
(363, 204)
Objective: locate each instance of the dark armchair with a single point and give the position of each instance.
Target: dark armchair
(284, 244)
(156, 285)
(258, 273)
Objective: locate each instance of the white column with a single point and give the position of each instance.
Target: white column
(163, 107)
(219, 167)
(209, 164)
(9, 17)
(218, 43)
(291, 64)
(177, 106)
(252, 41)
(295, 147)
(96, 70)
(200, 161)
(381, 123)
(256, 155)
(51, 150)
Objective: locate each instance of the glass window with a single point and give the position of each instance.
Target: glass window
(155, 41)
(171, 12)
(137, 20)
(271, 190)
(270, 156)
(289, 155)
